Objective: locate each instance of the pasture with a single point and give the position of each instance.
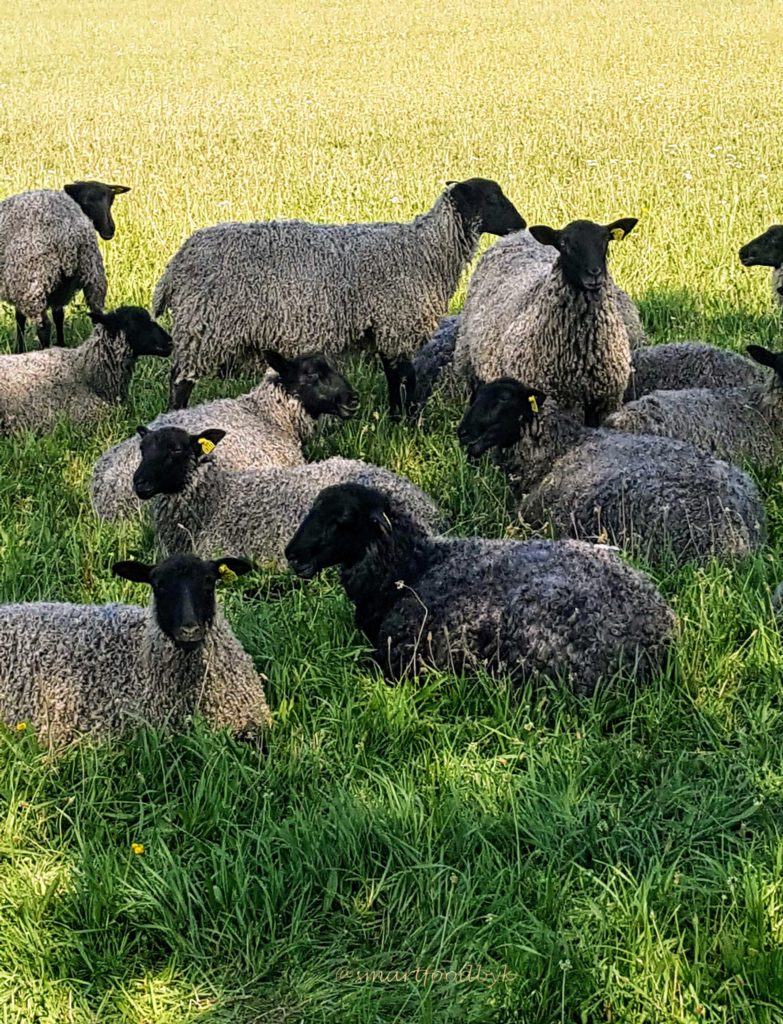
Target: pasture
(617, 860)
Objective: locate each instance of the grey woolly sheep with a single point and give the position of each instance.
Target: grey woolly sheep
(79, 383)
(736, 424)
(200, 507)
(687, 364)
(265, 427)
(767, 251)
(650, 495)
(557, 609)
(237, 288)
(96, 670)
(553, 320)
(434, 358)
(48, 252)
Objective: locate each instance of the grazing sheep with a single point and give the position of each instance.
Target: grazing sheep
(687, 364)
(265, 427)
(79, 383)
(736, 424)
(96, 670)
(237, 288)
(559, 609)
(48, 252)
(553, 320)
(201, 507)
(767, 251)
(650, 495)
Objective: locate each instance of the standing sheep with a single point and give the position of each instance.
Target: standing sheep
(265, 427)
(237, 288)
(687, 364)
(551, 320)
(650, 495)
(80, 383)
(70, 670)
(767, 251)
(736, 424)
(557, 609)
(48, 252)
(198, 506)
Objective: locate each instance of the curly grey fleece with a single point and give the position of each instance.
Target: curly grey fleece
(257, 512)
(238, 288)
(737, 424)
(46, 243)
(81, 384)
(522, 319)
(558, 609)
(688, 364)
(69, 670)
(653, 496)
(434, 359)
(265, 427)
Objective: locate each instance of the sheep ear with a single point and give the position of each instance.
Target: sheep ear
(119, 190)
(228, 569)
(97, 317)
(380, 519)
(618, 229)
(766, 357)
(142, 431)
(205, 442)
(138, 572)
(278, 362)
(545, 235)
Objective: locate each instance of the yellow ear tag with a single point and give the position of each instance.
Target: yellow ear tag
(533, 403)
(617, 234)
(227, 575)
(206, 446)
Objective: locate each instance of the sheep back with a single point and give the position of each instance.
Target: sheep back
(687, 365)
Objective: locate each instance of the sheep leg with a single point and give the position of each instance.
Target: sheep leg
(21, 320)
(179, 390)
(58, 315)
(401, 381)
(43, 329)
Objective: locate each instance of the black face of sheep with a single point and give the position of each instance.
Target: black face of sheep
(764, 356)
(583, 245)
(95, 199)
(344, 520)
(482, 200)
(144, 335)
(168, 456)
(183, 588)
(499, 412)
(764, 251)
(321, 388)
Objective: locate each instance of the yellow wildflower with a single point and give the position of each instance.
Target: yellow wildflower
(137, 848)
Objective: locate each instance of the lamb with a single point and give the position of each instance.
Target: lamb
(767, 251)
(653, 496)
(236, 288)
(687, 364)
(97, 670)
(265, 427)
(80, 383)
(554, 609)
(48, 252)
(201, 507)
(736, 424)
(552, 320)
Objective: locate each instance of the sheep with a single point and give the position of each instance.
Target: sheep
(552, 320)
(236, 288)
(79, 383)
(434, 359)
(557, 609)
(653, 496)
(200, 507)
(687, 364)
(70, 670)
(265, 427)
(48, 252)
(736, 424)
(767, 251)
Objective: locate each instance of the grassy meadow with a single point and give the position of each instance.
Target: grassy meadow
(619, 860)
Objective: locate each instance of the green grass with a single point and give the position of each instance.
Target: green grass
(620, 859)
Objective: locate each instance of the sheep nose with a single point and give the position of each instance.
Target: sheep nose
(190, 633)
(143, 489)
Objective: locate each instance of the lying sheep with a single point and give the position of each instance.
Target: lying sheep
(767, 251)
(687, 364)
(48, 252)
(650, 495)
(265, 427)
(36, 388)
(201, 507)
(735, 424)
(558, 609)
(552, 319)
(235, 289)
(96, 670)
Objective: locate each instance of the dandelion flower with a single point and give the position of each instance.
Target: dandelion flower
(137, 848)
